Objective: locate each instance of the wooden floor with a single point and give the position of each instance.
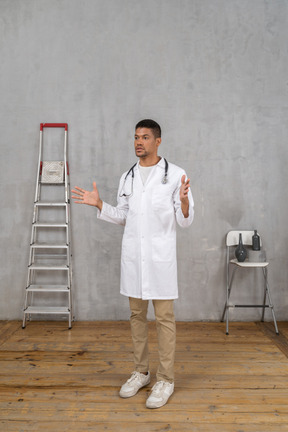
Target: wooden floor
(55, 379)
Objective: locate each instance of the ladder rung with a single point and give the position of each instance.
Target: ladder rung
(49, 246)
(52, 183)
(50, 224)
(48, 267)
(51, 204)
(48, 288)
(47, 310)
(50, 256)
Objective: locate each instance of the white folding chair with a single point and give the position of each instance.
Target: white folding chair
(232, 240)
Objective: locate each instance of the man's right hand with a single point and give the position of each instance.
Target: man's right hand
(85, 197)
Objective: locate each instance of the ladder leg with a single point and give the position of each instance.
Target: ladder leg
(24, 309)
(70, 319)
(24, 321)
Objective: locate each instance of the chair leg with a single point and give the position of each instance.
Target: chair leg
(265, 293)
(274, 319)
(226, 307)
(267, 290)
(224, 311)
(227, 321)
(226, 304)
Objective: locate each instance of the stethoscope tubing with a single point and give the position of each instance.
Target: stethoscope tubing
(131, 170)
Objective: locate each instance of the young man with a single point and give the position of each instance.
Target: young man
(152, 196)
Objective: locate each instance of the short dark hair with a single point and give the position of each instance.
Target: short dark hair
(150, 124)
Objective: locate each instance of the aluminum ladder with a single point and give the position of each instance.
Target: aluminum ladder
(49, 279)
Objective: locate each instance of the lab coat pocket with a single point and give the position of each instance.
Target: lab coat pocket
(162, 198)
(163, 250)
(128, 250)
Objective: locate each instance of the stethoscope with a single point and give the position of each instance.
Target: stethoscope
(131, 170)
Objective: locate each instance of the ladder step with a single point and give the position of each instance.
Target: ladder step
(50, 256)
(51, 204)
(49, 246)
(50, 224)
(48, 267)
(46, 183)
(47, 310)
(48, 288)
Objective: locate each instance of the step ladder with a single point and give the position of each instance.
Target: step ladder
(49, 279)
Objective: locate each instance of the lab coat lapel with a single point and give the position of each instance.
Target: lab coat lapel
(155, 175)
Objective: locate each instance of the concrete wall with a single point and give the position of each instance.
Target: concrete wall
(212, 72)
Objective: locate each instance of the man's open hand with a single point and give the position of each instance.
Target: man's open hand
(86, 197)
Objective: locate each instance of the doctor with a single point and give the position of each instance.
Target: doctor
(152, 196)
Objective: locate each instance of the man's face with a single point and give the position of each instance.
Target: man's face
(145, 143)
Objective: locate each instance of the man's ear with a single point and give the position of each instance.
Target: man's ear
(158, 141)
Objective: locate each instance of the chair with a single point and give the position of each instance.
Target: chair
(232, 240)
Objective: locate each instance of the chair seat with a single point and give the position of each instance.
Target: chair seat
(249, 264)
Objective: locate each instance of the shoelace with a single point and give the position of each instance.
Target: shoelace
(134, 376)
(158, 386)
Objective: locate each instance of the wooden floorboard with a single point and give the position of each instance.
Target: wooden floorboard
(55, 379)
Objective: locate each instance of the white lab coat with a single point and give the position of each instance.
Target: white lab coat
(148, 262)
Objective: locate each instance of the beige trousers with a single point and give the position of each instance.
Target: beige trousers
(166, 332)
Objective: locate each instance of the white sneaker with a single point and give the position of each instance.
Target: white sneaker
(160, 394)
(134, 383)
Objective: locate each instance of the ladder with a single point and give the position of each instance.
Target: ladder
(49, 278)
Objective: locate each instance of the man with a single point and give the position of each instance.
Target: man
(152, 196)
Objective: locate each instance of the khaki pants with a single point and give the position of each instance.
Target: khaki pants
(166, 332)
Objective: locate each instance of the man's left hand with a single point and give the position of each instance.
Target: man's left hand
(184, 189)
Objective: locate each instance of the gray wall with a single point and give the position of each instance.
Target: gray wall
(212, 72)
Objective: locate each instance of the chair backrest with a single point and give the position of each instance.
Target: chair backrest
(232, 238)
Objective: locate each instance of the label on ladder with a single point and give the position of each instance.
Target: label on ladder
(52, 172)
